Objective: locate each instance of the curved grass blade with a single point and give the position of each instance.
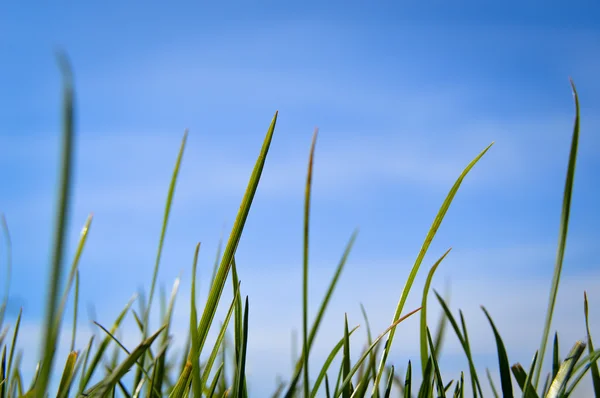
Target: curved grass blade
(503, 363)
(236, 233)
(413, 273)
(593, 365)
(562, 238)
(423, 314)
(240, 375)
(52, 322)
(492, 385)
(348, 379)
(583, 366)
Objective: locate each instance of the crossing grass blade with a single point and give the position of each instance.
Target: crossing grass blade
(528, 388)
(390, 382)
(441, 391)
(562, 238)
(182, 383)
(559, 384)
(213, 385)
(503, 363)
(51, 328)
(240, 374)
(413, 273)
(236, 233)
(423, 314)
(593, 365)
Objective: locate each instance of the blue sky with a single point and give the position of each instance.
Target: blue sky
(404, 97)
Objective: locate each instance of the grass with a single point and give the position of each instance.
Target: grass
(158, 371)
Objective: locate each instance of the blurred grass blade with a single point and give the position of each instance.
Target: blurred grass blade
(562, 237)
(240, 374)
(52, 322)
(236, 233)
(215, 381)
(492, 385)
(593, 365)
(413, 273)
(504, 364)
(13, 345)
(423, 314)
(8, 245)
(67, 376)
(75, 311)
(238, 314)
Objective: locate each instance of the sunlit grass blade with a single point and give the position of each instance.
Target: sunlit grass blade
(582, 367)
(565, 371)
(562, 237)
(181, 385)
(67, 376)
(75, 312)
(593, 365)
(328, 361)
(51, 328)
(348, 379)
(503, 363)
(84, 367)
(423, 314)
(425, 391)
(389, 384)
(321, 312)
(464, 343)
(102, 347)
(236, 233)
(413, 273)
(240, 374)
(472, 368)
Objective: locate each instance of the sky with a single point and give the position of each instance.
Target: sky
(404, 96)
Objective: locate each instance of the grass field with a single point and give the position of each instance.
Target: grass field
(154, 369)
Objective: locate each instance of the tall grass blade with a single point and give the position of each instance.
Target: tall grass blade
(562, 238)
(52, 322)
(408, 381)
(413, 273)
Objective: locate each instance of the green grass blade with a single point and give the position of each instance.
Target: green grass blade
(82, 380)
(503, 363)
(423, 314)
(238, 313)
(52, 322)
(413, 273)
(13, 345)
(194, 356)
(529, 389)
(75, 311)
(346, 358)
(213, 385)
(390, 382)
(182, 383)
(407, 382)
(492, 385)
(562, 238)
(67, 376)
(593, 365)
(220, 279)
(438, 376)
(240, 375)
(555, 357)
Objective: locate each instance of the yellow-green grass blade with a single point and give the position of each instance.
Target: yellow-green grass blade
(240, 375)
(13, 345)
(75, 312)
(163, 232)
(51, 328)
(472, 368)
(389, 384)
(321, 312)
(438, 376)
(106, 385)
(220, 338)
(123, 389)
(16, 383)
(8, 246)
(441, 330)
(559, 384)
(217, 287)
(84, 366)
(463, 338)
(371, 365)
(237, 324)
(423, 314)
(413, 273)
(182, 383)
(562, 237)
(346, 358)
(160, 370)
(582, 367)
(103, 345)
(194, 354)
(307, 198)
(67, 376)
(348, 378)
(328, 361)
(503, 363)
(213, 385)
(593, 365)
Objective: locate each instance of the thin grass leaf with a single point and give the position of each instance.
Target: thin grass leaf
(562, 238)
(67, 376)
(491, 381)
(84, 366)
(441, 330)
(236, 233)
(75, 312)
(593, 365)
(346, 358)
(347, 379)
(13, 345)
(407, 382)
(194, 354)
(529, 389)
(423, 314)
(438, 376)
(240, 375)
(389, 384)
(472, 369)
(555, 357)
(503, 363)
(51, 328)
(182, 383)
(559, 383)
(238, 313)
(213, 385)
(413, 273)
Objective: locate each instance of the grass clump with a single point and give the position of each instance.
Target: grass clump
(156, 372)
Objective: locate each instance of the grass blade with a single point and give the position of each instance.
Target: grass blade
(593, 365)
(505, 378)
(562, 238)
(566, 370)
(67, 376)
(413, 273)
(240, 375)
